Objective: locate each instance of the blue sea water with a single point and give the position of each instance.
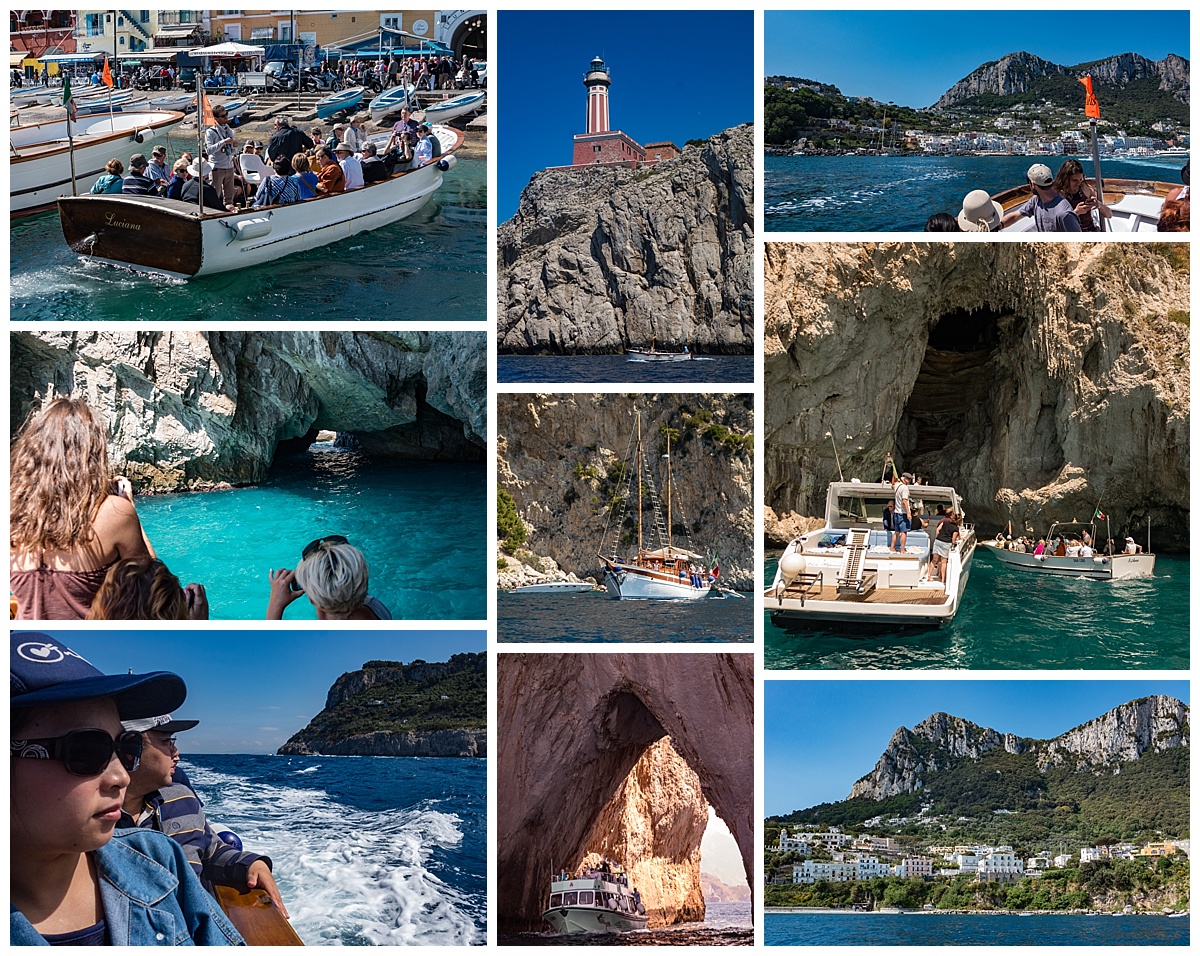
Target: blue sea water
(430, 267)
(725, 924)
(366, 850)
(421, 526)
(965, 929)
(1014, 620)
(708, 369)
(594, 617)
(898, 193)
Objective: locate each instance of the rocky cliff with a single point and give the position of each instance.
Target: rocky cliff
(598, 259)
(563, 459)
(390, 709)
(1036, 378)
(1024, 72)
(1147, 725)
(189, 410)
(574, 730)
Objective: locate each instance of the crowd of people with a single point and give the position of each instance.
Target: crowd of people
(108, 841)
(1064, 546)
(77, 549)
(295, 167)
(1062, 202)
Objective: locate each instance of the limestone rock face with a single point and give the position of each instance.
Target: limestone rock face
(573, 729)
(1020, 72)
(560, 457)
(189, 410)
(1147, 725)
(465, 742)
(657, 810)
(1036, 378)
(602, 258)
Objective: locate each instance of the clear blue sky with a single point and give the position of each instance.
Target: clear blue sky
(822, 735)
(251, 690)
(676, 76)
(911, 57)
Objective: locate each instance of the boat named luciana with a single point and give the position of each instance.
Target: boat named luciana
(846, 573)
(169, 237)
(1069, 551)
(664, 571)
(597, 901)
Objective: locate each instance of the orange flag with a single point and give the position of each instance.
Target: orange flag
(206, 113)
(106, 76)
(1091, 105)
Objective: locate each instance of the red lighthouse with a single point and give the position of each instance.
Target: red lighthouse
(601, 144)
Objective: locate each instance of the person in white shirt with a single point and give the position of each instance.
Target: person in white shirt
(351, 167)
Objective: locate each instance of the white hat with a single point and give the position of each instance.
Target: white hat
(980, 213)
(195, 170)
(1039, 174)
(343, 148)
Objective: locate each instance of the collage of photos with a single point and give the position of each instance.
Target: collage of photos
(727, 560)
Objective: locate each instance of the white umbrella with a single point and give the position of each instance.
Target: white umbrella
(227, 49)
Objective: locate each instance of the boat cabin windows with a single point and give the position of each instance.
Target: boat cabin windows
(586, 897)
(555, 900)
(571, 898)
(859, 511)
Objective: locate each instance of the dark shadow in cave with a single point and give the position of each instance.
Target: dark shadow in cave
(955, 399)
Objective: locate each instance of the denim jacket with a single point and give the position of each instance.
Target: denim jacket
(150, 895)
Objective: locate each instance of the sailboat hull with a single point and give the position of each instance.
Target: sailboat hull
(633, 584)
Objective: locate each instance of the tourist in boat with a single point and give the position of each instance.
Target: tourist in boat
(902, 516)
(333, 575)
(136, 182)
(73, 879)
(197, 185)
(424, 150)
(111, 180)
(330, 178)
(373, 168)
(279, 188)
(355, 134)
(157, 171)
(157, 800)
(286, 141)
(1176, 212)
(406, 124)
(221, 146)
(334, 138)
(1073, 184)
(179, 178)
(144, 589)
(305, 177)
(979, 213)
(71, 519)
(945, 538)
(1131, 546)
(351, 167)
(942, 222)
(1049, 208)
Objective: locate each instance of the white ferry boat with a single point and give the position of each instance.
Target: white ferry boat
(596, 902)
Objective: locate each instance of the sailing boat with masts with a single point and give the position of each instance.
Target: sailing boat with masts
(664, 571)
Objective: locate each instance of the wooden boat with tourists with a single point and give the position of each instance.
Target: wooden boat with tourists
(656, 355)
(596, 901)
(845, 572)
(664, 572)
(1072, 550)
(173, 238)
(40, 154)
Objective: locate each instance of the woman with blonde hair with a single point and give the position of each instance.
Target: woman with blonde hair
(71, 520)
(144, 589)
(333, 574)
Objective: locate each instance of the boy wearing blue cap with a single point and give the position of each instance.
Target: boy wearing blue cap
(73, 881)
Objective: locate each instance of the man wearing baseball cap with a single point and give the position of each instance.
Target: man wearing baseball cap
(73, 880)
(1049, 208)
(157, 799)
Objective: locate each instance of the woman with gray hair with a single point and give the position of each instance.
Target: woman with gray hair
(333, 574)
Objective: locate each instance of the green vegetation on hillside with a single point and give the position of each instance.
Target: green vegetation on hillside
(509, 526)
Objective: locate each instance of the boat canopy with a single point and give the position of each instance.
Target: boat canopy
(671, 553)
(856, 503)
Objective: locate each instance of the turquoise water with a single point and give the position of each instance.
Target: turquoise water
(430, 267)
(966, 929)
(1014, 620)
(421, 526)
(877, 193)
(618, 368)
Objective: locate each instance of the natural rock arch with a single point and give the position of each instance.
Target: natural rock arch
(571, 730)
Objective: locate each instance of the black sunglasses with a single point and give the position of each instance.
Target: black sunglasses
(314, 546)
(85, 753)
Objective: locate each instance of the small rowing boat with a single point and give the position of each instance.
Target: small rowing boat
(184, 102)
(339, 101)
(653, 355)
(35, 96)
(455, 107)
(392, 100)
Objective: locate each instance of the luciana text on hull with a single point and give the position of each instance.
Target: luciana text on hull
(657, 568)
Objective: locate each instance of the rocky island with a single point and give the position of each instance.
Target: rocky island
(391, 709)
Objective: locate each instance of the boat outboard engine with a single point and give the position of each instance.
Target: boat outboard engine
(791, 565)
